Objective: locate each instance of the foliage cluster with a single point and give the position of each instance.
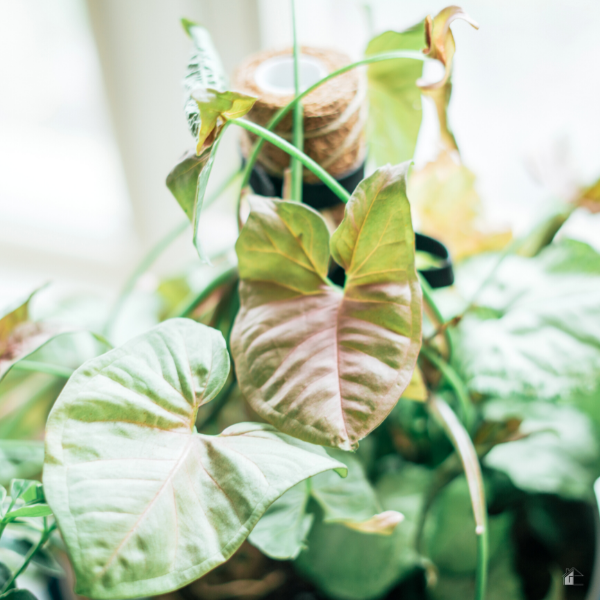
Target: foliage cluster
(376, 433)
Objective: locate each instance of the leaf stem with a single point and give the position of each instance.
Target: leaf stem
(308, 162)
(455, 383)
(466, 451)
(153, 254)
(42, 367)
(32, 551)
(435, 313)
(207, 291)
(278, 116)
(298, 126)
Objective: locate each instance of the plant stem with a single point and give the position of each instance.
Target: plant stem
(308, 162)
(298, 128)
(455, 383)
(437, 314)
(41, 367)
(207, 291)
(32, 551)
(153, 254)
(466, 451)
(409, 54)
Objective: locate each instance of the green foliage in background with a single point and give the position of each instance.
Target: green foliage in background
(332, 441)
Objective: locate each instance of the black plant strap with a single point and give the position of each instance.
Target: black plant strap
(443, 275)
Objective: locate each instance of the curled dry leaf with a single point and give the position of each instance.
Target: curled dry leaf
(382, 524)
(441, 46)
(440, 41)
(145, 503)
(322, 364)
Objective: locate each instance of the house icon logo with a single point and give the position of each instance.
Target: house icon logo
(569, 578)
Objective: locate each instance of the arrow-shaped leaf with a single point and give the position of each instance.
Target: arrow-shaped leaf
(320, 364)
(144, 503)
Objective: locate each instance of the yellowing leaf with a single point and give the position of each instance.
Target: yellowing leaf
(320, 364)
(416, 389)
(443, 194)
(145, 504)
(441, 46)
(214, 106)
(440, 41)
(590, 198)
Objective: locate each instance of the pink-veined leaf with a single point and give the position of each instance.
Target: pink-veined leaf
(323, 364)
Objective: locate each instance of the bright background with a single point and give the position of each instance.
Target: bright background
(91, 117)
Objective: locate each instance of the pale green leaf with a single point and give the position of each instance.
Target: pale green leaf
(37, 510)
(543, 340)
(352, 565)
(282, 531)
(394, 99)
(144, 503)
(322, 365)
(559, 455)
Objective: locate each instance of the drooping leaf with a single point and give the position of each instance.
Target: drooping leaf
(319, 364)
(539, 337)
(441, 46)
(394, 99)
(282, 531)
(444, 197)
(187, 182)
(148, 504)
(359, 566)
(558, 455)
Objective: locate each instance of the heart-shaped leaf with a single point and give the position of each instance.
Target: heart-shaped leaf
(144, 503)
(320, 364)
(394, 99)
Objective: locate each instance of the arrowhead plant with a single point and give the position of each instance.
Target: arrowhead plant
(324, 364)
(348, 392)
